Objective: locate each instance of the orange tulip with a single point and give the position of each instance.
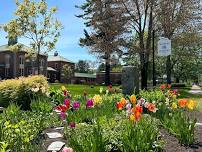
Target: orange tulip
(133, 99)
(123, 101)
(119, 105)
(182, 102)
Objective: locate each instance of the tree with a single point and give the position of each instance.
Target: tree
(67, 73)
(82, 66)
(141, 21)
(186, 59)
(107, 35)
(176, 16)
(35, 22)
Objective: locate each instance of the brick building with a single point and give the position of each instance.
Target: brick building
(18, 63)
(55, 65)
(115, 77)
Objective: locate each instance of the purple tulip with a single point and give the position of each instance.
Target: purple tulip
(76, 105)
(89, 103)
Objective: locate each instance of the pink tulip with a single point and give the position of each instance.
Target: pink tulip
(63, 115)
(67, 149)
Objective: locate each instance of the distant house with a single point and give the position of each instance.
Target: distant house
(84, 78)
(55, 66)
(115, 77)
(18, 63)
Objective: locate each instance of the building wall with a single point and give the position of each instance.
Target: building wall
(59, 67)
(15, 69)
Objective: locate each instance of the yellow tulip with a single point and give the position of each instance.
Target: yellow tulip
(97, 99)
(191, 104)
(63, 88)
(132, 117)
(174, 105)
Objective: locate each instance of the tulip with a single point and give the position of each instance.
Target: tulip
(133, 99)
(191, 104)
(67, 149)
(63, 115)
(72, 124)
(76, 105)
(174, 105)
(182, 102)
(89, 103)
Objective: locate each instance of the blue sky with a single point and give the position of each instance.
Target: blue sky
(67, 45)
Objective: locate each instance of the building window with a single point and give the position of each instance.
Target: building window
(56, 66)
(21, 72)
(7, 60)
(42, 63)
(55, 76)
(21, 58)
(30, 72)
(6, 72)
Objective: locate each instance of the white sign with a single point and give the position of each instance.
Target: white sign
(164, 47)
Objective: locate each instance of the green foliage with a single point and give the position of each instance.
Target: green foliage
(23, 90)
(82, 66)
(180, 125)
(116, 134)
(20, 131)
(150, 96)
(41, 105)
(141, 137)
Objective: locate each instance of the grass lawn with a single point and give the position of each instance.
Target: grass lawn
(77, 89)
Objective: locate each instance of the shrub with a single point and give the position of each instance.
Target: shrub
(177, 85)
(22, 90)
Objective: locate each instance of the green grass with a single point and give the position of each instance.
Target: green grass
(76, 89)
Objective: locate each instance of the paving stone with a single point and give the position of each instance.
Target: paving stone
(57, 111)
(195, 87)
(55, 146)
(199, 124)
(53, 135)
(59, 128)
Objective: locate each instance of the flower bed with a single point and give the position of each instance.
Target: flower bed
(94, 114)
(107, 121)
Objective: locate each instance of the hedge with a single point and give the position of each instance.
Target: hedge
(23, 90)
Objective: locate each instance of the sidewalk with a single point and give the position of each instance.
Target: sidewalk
(195, 90)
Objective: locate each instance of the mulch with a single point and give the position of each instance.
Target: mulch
(172, 144)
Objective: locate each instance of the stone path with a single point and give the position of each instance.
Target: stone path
(195, 90)
(54, 141)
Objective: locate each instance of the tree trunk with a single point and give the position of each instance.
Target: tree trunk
(38, 62)
(168, 69)
(143, 71)
(177, 80)
(107, 72)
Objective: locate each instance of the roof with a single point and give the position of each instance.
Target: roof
(6, 48)
(58, 58)
(51, 69)
(85, 75)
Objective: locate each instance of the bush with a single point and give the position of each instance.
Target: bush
(178, 85)
(22, 90)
